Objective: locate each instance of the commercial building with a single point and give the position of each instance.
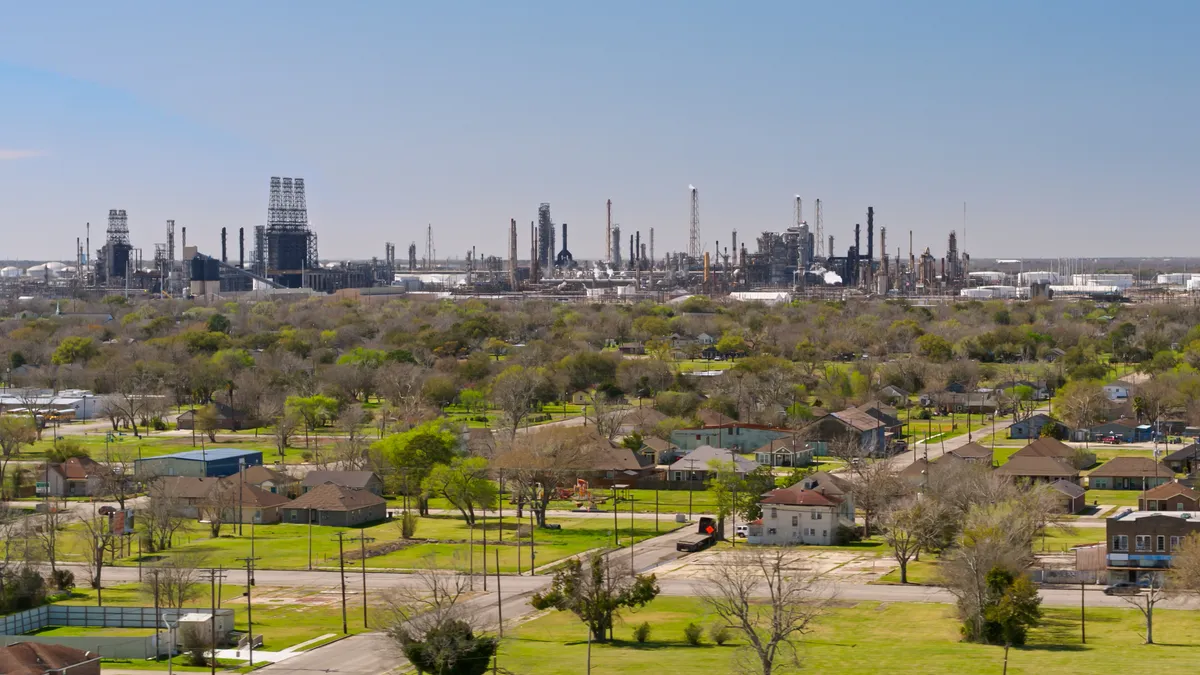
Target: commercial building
(207, 463)
(1141, 544)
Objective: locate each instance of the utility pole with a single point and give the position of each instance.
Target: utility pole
(249, 605)
(362, 540)
(342, 567)
(214, 576)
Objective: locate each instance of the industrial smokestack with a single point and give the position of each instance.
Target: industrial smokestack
(533, 253)
(857, 245)
(224, 257)
(632, 252)
(242, 247)
(608, 233)
(564, 248)
(870, 233)
(831, 253)
(735, 248)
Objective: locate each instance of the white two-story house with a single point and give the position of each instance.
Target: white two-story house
(809, 512)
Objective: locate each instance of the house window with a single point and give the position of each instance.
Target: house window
(774, 513)
(1178, 506)
(678, 475)
(1142, 542)
(1120, 542)
(771, 530)
(815, 515)
(1161, 543)
(1174, 543)
(824, 533)
(795, 521)
(1151, 505)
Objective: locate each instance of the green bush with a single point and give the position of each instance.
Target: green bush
(719, 633)
(408, 524)
(642, 632)
(692, 633)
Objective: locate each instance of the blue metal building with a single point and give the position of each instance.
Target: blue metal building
(207, 463)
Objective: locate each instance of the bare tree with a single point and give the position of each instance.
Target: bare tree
(15, 433)
(903, 528)
(174, 581)
(401, 383)
(514, 392)
(116, 476)
(794, 601)
(95, 540)
(218, 506)
(285, 427)
(1145, 600)
(160, 516)
(606, 416)
(538, 464)
(50, 525)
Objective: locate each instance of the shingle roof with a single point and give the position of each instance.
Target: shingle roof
(257, 475)
(331, 497)
(1186, 452)
(1068, 488)
(351, 479)
(1171, 489)
(79, 468)
(971, 450)
(35, 658)
(184, 487)
(657, 444)
(1046, 447)
(252, 495)
(858, 419)
(785, 444)
(798, 496)
(826, 483)
(698, 459)
(1120, 467)
(712, 418)
(1033, 465)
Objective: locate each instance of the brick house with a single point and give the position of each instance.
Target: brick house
(1072, 498)
(1129, 473)
(1052, 447)
(357, 480)
(1173, 496)
(1142, 543)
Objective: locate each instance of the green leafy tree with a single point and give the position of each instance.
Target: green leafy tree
(731, 345)
(74, 350)
(315, 411)
(596, 593)
(472, 399)
(464, 483)
(1013, 609)
(450, 648)
(219, 323)
(935, 348)
(415, 452)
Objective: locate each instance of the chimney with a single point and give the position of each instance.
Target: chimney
(224, 258)
(564, 237)
(242, 247)
(857, 247)
(870, 233)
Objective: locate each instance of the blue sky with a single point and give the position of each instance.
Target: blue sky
(1068, 127)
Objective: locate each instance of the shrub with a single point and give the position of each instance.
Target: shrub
(692, 633)
(408, 524)
(63, 580)
(719, 633)
(642, 632)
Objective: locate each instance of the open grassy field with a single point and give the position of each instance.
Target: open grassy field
(862, 639)
(1057, 539)
(86, 631)
(446, 539)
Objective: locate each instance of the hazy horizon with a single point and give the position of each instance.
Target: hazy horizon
(1065, 128)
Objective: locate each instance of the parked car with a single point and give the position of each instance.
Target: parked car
(1123, 588)
(1111, 440)
(741, 531)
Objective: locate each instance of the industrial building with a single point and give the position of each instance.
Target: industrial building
(204, 463)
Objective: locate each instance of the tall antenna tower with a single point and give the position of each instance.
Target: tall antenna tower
(694, 233)
(819, 231)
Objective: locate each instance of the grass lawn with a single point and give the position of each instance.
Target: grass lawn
(303, 615)
(86, 631)
(1058, 540)
(130, 448)
(443, 538)
(864, 639)
(670, 502)
(921, 572)
(694, 365)
(1115, 497)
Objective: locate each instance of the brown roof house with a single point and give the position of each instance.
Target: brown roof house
(1034, 468)
(1129, 473)
(1173, 496)
(972, 452)
(269, 479)
(36, 658)
(76, 477)
(359, 480)
(253, 505)
(1071, 497)
(185, 496)
(336, 505)
(789, 451)
(1185, 459)
(1052, 447)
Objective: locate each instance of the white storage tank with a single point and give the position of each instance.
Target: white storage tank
(1041, 277)
(10, 272)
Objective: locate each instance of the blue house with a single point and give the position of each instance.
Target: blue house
(1031, 427)
(207, 463)
(1125, 429)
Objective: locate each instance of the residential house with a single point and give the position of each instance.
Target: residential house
(830, 484)
(851, 426)
(276, 482)
(1129, 473)
(186, 496)
(1141, 544)
(1054, 354)
(1039, 390)
(358, 480)
(43, 658)
(789, 451)
(972, 452)
(1033, 468)
(581, 397)
(1031, 427)
(695, 464)
(1071, 497)
(336, 505)
(1126, 429)
(706, 339)
(886, 415)
(252, 505)
(733, 436)
(76, 477)
(1118, 390)
(1185, 459)
(894, 395)
(611, 464)
(642, 420)
(232, 418)
(973, 402)
(1052, 447)
(657, 450)
(796, 515)
(632, 348)
(1172, 496)
(713, 418)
